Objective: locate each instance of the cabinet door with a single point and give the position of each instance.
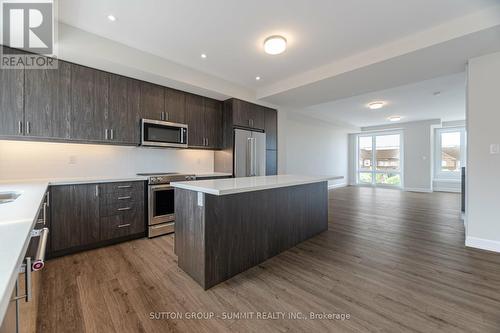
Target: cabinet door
(241, 113)
(195, 121)
(89, 95)
(175, 106)
(124, 110)
(11, 102)
(257, 116)
(271, 128)
(47, 102)
(74, 216)
(213, 123)
(152, 101)
(271, 162)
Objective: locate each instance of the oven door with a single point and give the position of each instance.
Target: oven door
(157, 133)
(161, 204)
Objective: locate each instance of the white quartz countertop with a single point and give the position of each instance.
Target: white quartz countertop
(247, 184)
(17, 219)
(83, 180)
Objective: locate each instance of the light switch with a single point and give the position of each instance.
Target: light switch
(495, 148)
(72, 159)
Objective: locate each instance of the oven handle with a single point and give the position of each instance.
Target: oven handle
(161, 187)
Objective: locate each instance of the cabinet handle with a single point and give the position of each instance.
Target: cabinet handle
(26, 269)
(207, 142)
(124, 208)
(124, 198)
(166, 116)
(28, 127)
(20, 127)
(124, 225)
(44, 213)
(124, 186)
(106, 136)
(97, 190)
(112, 134)
(162, 115)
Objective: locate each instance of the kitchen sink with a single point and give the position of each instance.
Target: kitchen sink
(6, 197)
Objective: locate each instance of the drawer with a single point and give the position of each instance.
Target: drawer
(117, 226)
(107, 199)
(122, 187)
(161, 229)
(122, 208)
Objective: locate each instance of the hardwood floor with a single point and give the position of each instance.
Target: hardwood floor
(394, 261)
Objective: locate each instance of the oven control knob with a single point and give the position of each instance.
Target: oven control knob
(153, 179)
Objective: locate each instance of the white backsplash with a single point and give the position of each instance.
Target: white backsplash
(30, 160)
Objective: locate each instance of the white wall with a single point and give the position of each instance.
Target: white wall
(22, 159)
(483, 181)
(418, 152)
(312, 147)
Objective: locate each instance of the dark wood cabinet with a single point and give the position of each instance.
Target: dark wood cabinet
(91, 215)
(271, 162)
(175, 106)
(11, 102)
(247, 114)
(152, 101)
(271, 128)
(213, 123)
(89, 95)
(47, 102)
(123, 118)
(195, 121)
(74, 216)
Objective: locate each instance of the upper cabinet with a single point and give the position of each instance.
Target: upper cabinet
(89, 96)
(175, 106)
(123, 119)
(11, 102)
(47, 103)
(204, 120)
(247, 114)
(152, 101)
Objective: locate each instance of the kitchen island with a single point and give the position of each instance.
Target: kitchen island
(226, 226)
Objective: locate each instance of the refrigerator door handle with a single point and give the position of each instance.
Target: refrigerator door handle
(254, 166)
(249, 162)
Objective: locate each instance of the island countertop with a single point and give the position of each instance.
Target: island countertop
(247, 184)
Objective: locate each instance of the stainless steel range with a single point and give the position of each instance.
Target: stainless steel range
(161, 213)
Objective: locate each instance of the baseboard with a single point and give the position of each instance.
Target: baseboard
(483, 244)
(417, 189)
(337, 185)
(447, 189)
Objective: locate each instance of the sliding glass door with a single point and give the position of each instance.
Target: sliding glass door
(379, 159)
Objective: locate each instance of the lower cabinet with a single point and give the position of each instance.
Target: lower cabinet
(85, 216)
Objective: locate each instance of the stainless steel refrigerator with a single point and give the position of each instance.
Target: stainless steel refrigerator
(249, 153)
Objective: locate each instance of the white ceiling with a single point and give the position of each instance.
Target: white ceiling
(412, 102)
(231, 32)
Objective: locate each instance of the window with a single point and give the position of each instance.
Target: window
(450, 152)
(379, 159)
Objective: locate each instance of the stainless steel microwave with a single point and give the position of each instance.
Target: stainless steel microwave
(156, 133)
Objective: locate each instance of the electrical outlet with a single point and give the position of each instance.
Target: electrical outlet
(72, 159)
(494, 149)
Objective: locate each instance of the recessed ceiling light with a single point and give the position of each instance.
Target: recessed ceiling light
(376, 105)
(257, 78)
(394, 118)
(436, 93)
(111, 18)
(275, 45)
(203, 55)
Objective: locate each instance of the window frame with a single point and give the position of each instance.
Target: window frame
(374, 171)
(448, 175)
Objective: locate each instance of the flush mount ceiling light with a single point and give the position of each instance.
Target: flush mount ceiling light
(394, 118)
(275, 45)
(376, 105)
(203, 55)
(257, 78)
(112, 18)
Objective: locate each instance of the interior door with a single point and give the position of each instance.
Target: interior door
(241, 153)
